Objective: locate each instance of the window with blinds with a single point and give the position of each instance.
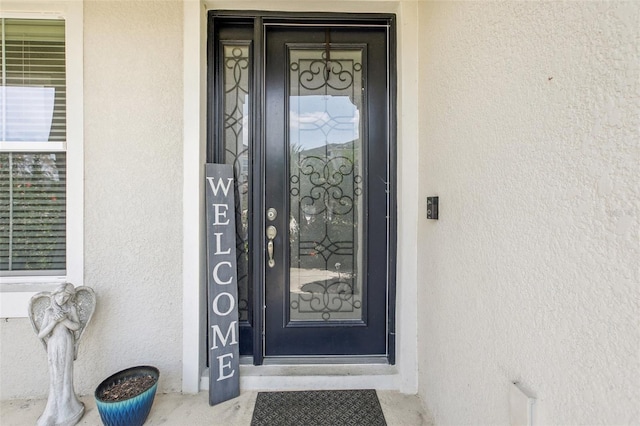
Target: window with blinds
(33, 148)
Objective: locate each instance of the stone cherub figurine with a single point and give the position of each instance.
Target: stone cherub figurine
(59, 318)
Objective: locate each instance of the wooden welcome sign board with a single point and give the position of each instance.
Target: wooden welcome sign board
(222, 282)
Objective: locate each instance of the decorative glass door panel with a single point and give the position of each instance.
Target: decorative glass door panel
(234, 145)
(325, 182)
(236, 76)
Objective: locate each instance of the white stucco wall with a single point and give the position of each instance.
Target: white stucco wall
(529, 136)
(133, 152)
(133, 203)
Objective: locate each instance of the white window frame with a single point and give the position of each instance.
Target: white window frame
(15, 292)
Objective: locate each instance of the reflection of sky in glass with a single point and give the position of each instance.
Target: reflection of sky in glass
(26, 113)
(322, 119)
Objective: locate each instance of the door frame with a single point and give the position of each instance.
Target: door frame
(260, 20)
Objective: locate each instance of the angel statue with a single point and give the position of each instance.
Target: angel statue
(59, 319)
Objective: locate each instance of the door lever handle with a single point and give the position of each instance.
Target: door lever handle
(271, 234)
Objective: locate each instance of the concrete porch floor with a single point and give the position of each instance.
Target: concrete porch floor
(178, 409)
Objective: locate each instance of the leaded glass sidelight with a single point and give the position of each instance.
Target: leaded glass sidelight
(326, 90)
(236, 77)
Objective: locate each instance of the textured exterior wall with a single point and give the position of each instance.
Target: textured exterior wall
(529, 135)
(133, 203)
(133, 213)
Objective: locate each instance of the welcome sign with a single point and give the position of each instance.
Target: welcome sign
(222, 282)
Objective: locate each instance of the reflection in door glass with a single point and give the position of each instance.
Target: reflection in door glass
(236, 152)
(325, 183)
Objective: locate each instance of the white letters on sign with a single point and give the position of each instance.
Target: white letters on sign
(224, 381)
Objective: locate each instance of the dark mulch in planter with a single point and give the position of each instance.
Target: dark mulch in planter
(127, 388)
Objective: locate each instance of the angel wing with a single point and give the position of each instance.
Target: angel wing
(39, 303)
(85, 306)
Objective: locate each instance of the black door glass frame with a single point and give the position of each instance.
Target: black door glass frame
(248, 27)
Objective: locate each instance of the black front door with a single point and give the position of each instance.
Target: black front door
(303, 110)
(326, 175)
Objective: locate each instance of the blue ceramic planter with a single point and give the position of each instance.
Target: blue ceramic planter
(132, 411)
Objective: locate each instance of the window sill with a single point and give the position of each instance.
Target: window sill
(15, 294)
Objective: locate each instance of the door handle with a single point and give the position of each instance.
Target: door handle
(271, 234)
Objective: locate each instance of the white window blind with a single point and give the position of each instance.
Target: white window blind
(33, 148)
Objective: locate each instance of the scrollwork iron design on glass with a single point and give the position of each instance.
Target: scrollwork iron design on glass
(328, 297)
(236, 64)
(315, 74)
(325, 183)
(327, 193)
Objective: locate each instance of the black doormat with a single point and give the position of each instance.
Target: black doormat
(318, 408)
